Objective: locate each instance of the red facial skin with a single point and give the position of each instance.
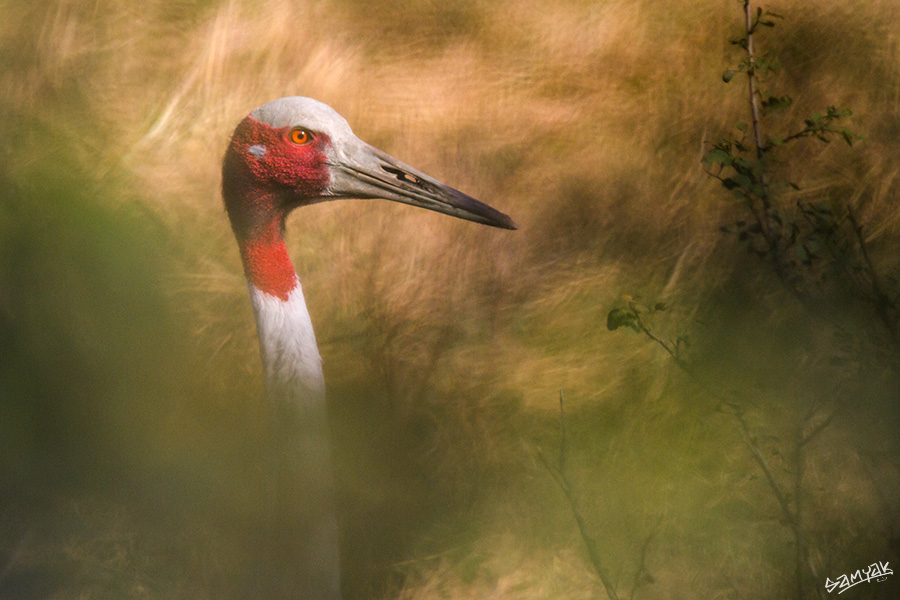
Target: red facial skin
(260, 191)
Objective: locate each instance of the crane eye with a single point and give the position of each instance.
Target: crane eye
(301, 137)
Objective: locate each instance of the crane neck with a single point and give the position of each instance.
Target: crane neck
(267, 265)
(303, 499)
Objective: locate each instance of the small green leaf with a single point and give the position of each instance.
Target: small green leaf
(622, 317)
(660, 306)
(718, 156)
(742, 126)
(848, 137)
(727, 76)
(743, 165)
(777, 102)
(743, 181)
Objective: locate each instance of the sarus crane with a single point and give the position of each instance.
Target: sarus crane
(286, 154)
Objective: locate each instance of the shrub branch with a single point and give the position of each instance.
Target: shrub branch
(558, 473)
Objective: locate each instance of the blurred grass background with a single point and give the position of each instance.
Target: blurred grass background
(131, 417)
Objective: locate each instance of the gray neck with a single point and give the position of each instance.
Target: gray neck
(304, 515)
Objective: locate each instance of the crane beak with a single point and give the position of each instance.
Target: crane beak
(367, 172)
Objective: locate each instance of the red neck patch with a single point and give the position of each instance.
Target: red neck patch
(267, 264)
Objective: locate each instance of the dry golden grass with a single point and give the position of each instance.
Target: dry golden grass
(446, 345)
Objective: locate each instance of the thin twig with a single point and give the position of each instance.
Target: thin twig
(563, 438)
(800, 546)
(673, 352)
(817, 429)
(562, 481)
(639, 574)
(883, 304)
(767, 471)
(733, 587)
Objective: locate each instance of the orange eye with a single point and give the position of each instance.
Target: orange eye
(301, 137)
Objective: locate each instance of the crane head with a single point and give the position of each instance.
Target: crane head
(297, 151)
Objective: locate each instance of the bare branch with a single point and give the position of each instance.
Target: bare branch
(641, 574)
(882, 302)
(562, 481)
(817, 429)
